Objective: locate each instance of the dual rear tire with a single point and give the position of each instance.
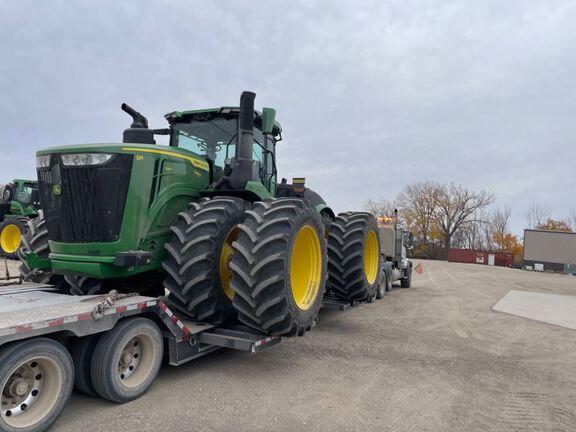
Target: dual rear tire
(263, 265)
(354, 257)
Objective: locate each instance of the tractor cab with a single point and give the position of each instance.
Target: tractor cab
(213, 134)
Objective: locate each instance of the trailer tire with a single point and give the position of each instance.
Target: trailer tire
(12, 231)
(279, 267)
(353, 256)
(36, 377)
(82, 352)
(127, 359)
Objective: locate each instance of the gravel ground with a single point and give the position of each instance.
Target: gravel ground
(434, 357)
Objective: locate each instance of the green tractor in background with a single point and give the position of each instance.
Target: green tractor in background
(204, 218)
(19, 202)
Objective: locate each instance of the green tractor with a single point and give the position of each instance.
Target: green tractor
(204, 218)
(19, 202)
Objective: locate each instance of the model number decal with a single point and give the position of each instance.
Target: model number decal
(139, 157)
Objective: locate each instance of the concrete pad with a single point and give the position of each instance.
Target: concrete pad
(549, 308)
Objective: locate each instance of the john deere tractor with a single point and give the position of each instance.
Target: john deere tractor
(203, 217)
(19, 202)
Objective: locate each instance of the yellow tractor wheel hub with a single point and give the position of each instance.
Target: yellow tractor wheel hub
(306, 267)
(10, 238)
(371, 257)
(225, 257)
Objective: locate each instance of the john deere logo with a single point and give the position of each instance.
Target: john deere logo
(56, 189)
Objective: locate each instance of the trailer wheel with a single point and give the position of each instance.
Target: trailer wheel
(82, 352)
(36, 377)
(127, 359)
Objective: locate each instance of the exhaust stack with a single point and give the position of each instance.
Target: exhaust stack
(242, 171)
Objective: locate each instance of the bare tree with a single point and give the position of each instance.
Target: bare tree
(536, 215)
(417, 203)
(382, 208)
(475, 233)
(457, 206)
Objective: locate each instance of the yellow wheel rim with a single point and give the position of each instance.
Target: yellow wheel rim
(306, 267)
(10, 238)
(225, 257)
(371, 257)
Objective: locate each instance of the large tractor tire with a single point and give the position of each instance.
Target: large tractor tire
(279, 267)
(353, 256)
(198, 256)
(12, 230)
(36, 240)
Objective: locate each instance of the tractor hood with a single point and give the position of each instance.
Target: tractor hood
(98, 154)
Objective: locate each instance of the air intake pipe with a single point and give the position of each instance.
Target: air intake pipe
(242, 171)
(138, 132)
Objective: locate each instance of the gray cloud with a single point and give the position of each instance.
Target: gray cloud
(372, 95)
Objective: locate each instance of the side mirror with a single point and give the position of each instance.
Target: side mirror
(268, 118)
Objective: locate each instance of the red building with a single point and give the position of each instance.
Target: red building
(502, 259)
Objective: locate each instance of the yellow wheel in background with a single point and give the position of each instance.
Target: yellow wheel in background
(305, 267)
(10, 238)
(371, 257)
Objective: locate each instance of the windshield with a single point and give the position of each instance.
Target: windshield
(24, 195)
(207, 138)
(215, 139)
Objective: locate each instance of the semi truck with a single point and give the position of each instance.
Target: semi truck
(395, 241)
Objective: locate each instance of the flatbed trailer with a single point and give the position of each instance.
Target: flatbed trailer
(109, 345)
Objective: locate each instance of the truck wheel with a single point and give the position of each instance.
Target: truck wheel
(279, 267)
(36, 377)
(36, 240)
(389, 282)
(198, 257)
(353, 256)
(11, 233)
(407, 281)
(82, 352)
(127, 359)
(383, 286)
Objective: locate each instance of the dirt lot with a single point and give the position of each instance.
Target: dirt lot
(431, 358)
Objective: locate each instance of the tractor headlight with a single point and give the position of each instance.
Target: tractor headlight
(83, 159)
(43, 161)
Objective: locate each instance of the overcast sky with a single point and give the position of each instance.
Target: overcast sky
(372, 95)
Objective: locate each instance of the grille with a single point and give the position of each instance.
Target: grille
(85, 204)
